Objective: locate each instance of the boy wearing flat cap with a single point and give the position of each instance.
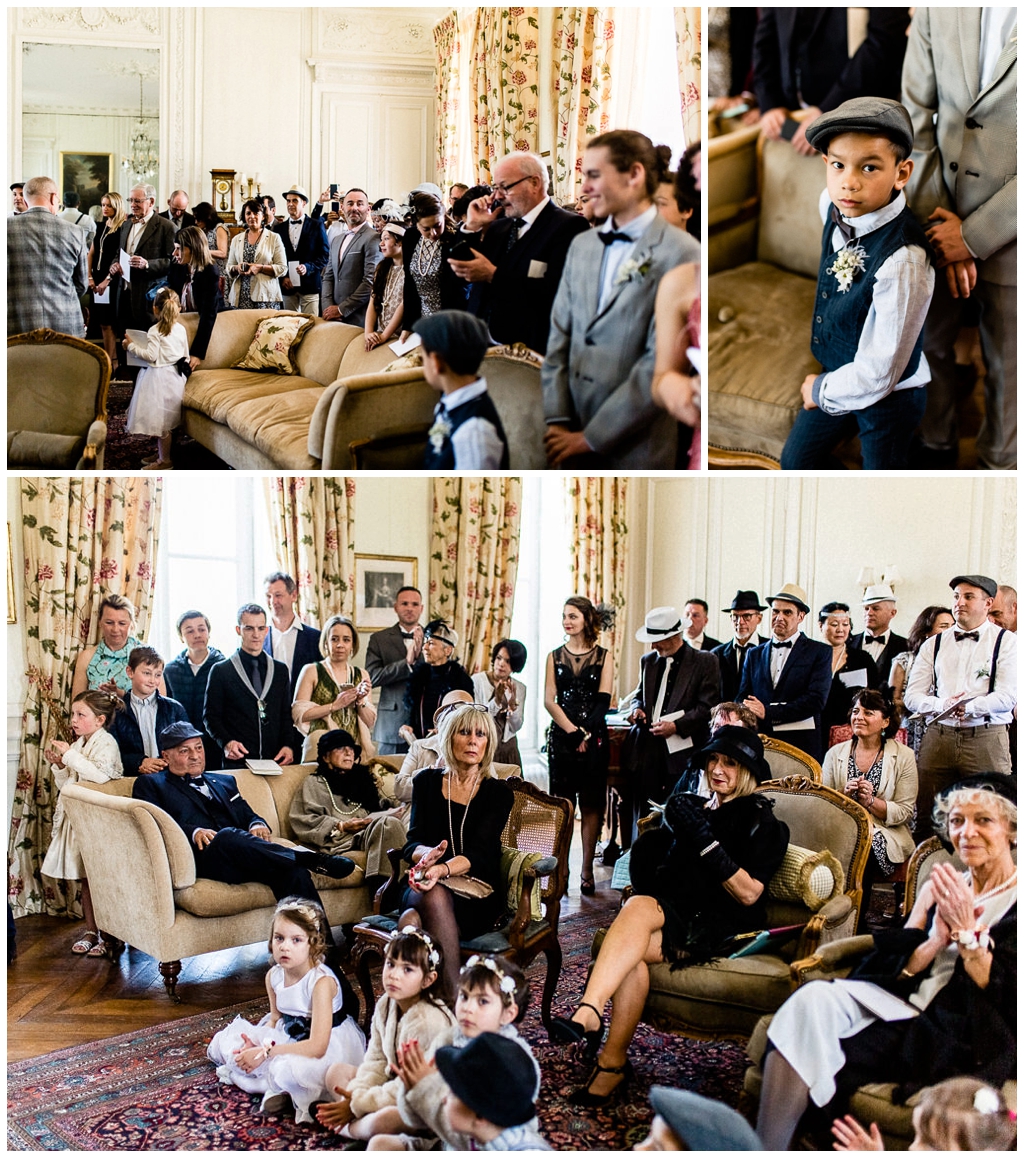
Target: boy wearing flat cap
(467, 433)
(875, 283)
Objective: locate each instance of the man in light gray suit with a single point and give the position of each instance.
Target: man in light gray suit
(47, 269)
(600, 357)
(348, 277)
(390, 657)
(960, 87)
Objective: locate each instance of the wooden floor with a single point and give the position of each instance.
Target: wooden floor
(56, 1000)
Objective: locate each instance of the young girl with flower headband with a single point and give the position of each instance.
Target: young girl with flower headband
(412, 1009)
(288, 1054)
(957, 1114)
(493, 996)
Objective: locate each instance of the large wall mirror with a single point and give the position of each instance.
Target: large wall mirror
(86, 109)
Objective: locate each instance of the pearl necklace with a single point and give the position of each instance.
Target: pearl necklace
(462, 827)
(981, 898)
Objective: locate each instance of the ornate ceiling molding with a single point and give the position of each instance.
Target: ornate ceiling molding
(91, 20)
(368, 31)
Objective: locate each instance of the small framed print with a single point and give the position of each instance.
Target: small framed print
(379, 578)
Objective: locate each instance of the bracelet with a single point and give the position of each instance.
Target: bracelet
(907, 974)
(705, 851)
(449, 868)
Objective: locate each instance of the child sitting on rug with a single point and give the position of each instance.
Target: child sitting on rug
(957, 1114)
(156, 401)
(491, 1095)
(493, 996)
(467, 433)
(93, 757)
(289, 1053)
(412, 1008)
(875, 283)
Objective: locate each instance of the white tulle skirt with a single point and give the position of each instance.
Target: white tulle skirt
(156, 401)
(302, 1078)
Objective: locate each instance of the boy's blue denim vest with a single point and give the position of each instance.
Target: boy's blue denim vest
(840, 317)
(479, 407)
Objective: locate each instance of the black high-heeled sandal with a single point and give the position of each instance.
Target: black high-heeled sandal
(588, 886)
(565, 1031)
(584, 1097)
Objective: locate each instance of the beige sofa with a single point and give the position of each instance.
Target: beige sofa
(346, 409)
(142, 873)
(763, 254)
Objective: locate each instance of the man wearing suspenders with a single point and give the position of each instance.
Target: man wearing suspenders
(965, 680)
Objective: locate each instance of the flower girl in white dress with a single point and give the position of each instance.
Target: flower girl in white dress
(156, 401)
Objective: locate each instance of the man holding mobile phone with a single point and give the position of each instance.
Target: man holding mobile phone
(517, 243)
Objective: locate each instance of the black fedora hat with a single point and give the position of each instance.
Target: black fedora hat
(493, 1076)
(746, 601)
(743, 745)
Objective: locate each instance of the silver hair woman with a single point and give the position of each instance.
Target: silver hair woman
(935, 999)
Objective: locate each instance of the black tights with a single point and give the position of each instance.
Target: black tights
(434, 911)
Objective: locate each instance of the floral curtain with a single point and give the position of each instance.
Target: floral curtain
(314, 523)
(448, 40)
(85, 537)
(597, 513)
(505, 84)
(474, 556)
(688, 50)
(583, 39)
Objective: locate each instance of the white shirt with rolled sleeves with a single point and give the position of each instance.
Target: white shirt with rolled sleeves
(965, 667)
(902, 293)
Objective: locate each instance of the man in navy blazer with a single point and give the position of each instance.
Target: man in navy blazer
(786, 681)
(304, 241)
(289, 640)
(520, 256)
(229, 841)
(144, 714)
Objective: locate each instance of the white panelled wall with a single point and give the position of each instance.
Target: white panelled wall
(307, 95)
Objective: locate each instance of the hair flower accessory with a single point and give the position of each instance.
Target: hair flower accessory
(433, 956)
(986, 1101)
(848, 263)
(506, 983)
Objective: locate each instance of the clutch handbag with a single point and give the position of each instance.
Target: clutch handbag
(471, 887)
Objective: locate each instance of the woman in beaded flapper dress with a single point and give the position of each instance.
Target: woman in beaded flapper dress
(430, 282)
(577, 695)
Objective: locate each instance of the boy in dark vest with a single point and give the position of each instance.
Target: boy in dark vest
(467, 433)
(875, 283)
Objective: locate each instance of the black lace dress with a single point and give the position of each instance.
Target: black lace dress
(577, 693)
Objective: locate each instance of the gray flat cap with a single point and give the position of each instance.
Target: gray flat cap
(874, 115)
(989, 586)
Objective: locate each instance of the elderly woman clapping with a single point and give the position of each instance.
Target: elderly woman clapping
(699, 880)
(935, 999)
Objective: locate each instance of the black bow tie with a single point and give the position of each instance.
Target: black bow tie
(958, 635)
(874, 639)
(788, 643)
(841, 225)
(612, 235)
(197, 782)
(408, 635)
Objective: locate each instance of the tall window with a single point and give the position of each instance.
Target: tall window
(215, 549)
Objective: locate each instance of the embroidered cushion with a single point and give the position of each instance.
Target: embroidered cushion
(809, 877)
(275, 344)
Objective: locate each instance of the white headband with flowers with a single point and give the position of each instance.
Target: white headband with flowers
(433, 956)
(986, 1101)
(506, 983)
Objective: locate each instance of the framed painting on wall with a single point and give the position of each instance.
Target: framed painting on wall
(88, 175)
(378, 581)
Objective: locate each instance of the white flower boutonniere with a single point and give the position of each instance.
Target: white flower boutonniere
(437, 434)
(983, 672)
(848, 263)
(635, 269)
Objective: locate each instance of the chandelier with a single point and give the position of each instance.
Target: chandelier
(142, 161)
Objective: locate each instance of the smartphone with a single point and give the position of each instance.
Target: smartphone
(463, 251)
(789, 128)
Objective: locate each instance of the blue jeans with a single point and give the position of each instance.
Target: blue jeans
(885, 430)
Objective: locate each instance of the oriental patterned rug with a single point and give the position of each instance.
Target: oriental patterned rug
(155, 1090)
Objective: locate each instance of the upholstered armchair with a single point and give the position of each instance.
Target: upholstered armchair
(535, 844)
(786, 760)
(56, 401)
(728, 996)
(873, 1102)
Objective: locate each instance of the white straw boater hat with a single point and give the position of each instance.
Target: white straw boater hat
(660, 623)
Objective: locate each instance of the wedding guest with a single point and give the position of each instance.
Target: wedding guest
(102, 254)
(255, 263)
(504, 696)
(430, 282)
(218, 240)
(195, 280)
(852, 669)
(931, 621)
(188, 673)
(305, 243)
(385, 308)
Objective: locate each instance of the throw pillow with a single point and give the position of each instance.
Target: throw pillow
(812, 878)
(274, 345)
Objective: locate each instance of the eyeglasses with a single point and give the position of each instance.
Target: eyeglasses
(745, 616)
(501, 188)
